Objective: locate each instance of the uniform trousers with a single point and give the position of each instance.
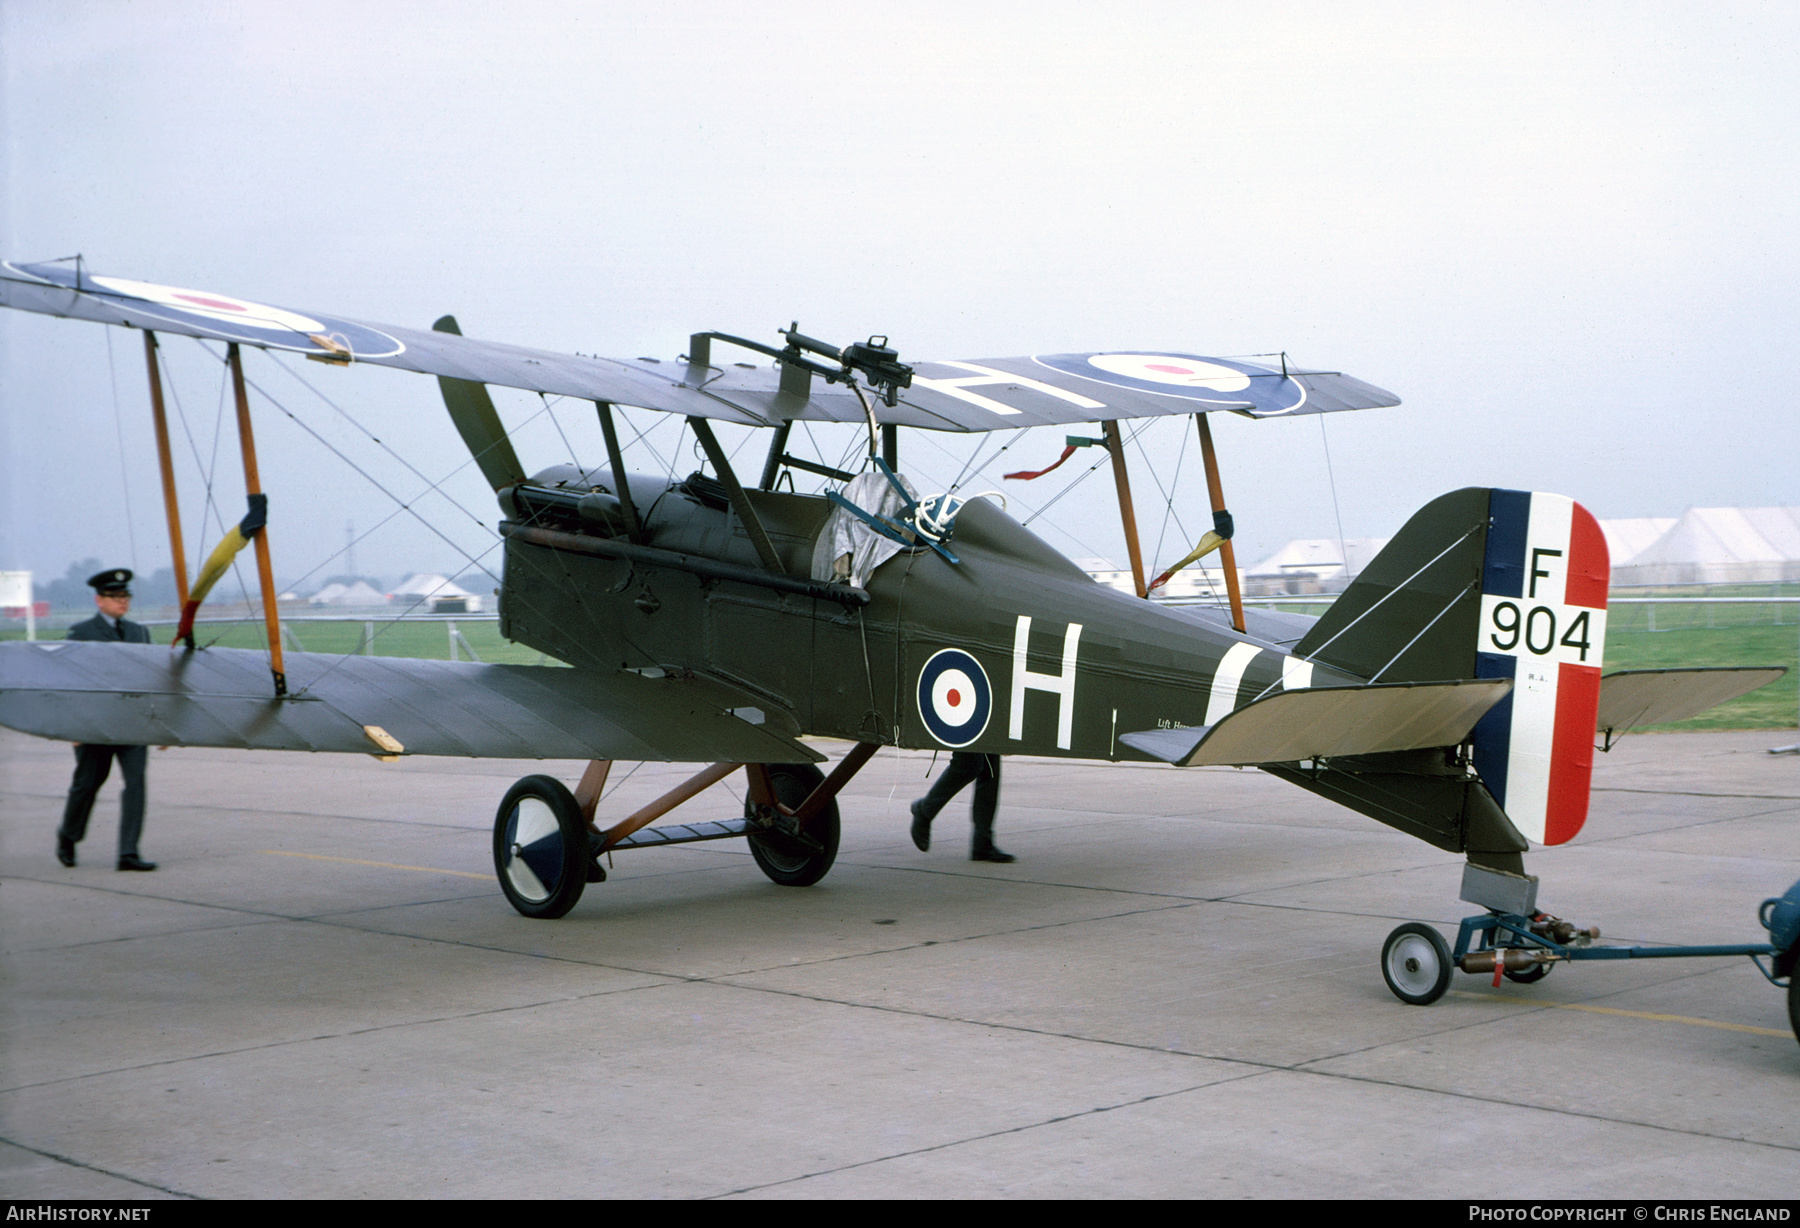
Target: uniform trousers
(966, 766)
(93, 763)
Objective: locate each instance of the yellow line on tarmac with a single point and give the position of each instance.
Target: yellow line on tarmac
(1613, 1010)
(384, 865)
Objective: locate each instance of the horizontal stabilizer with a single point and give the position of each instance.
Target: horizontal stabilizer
(1289, 726)
(133, 695)
(1635, 697)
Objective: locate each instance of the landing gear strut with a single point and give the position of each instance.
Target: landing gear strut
(546, 847)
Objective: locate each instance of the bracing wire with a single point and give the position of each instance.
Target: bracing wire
(550, 412)
(342, 658)
(373, 480)
(112, 378)
(1083, 476)
(432, 487)
(1167, 494)
(972, 467)
(1331, 476)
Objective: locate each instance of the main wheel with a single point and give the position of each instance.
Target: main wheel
(1415, 960)
(787, 860)
(541, 848)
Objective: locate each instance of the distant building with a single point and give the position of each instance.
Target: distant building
(1309, 565)
(356, 593)
(1626, 539)
(1718, 545)
(1196, 581)
(436, 594)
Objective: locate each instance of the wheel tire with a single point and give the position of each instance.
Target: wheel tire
(784, 859)
(541, 847)
(1531, 975)
(1415, 962)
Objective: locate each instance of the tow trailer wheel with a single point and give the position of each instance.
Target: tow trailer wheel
(541, 847)
(1529, 976)
(1415, 961)
(1794, 1001)
(802, 859)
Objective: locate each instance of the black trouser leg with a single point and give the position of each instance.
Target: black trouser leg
(93, 763)
(987, 801)
(964, 767)
(131, 815)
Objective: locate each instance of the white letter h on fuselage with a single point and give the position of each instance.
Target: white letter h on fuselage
(1060, 685)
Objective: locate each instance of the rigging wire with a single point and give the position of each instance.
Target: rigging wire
(374, 481)
(218, 434)
(187, 434)
(432, 487)
(550, 410)
(344, 657)
(642, 435)
(1082, 477)
(112, 378)
(1331, 476)
(1168, 495)
(1086, 547)
(971, 466)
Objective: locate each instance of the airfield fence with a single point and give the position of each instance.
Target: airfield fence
(1728, 627)
(1685, 608)
(1628, 609)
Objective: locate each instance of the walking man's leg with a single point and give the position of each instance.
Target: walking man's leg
(964, 766)
(131, 815)
(987, 801)
(92, 766)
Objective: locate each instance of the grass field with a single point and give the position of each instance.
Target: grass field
(392, 639)
(1772, 707)
(1681, 638)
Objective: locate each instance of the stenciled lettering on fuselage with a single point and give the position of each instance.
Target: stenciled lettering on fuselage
(955, 700)
(1061, 685)
(1543, 624)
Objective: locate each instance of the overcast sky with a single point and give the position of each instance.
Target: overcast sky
(1564, 234)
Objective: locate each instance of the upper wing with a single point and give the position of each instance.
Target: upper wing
(1290, 726)
(989, 394)
(133, 695)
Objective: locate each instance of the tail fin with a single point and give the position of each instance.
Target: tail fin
(1487, 583)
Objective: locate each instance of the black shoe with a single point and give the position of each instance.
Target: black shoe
(65, 851)
(131, 861)
(921, 829)
(990, 852)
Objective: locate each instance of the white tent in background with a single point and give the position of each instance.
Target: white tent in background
(436, 594)
(1311, 565)
(1630, 537)
(1721, 545)
(357, 594)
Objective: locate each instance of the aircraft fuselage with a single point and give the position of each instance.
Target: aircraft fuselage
(1012, 650)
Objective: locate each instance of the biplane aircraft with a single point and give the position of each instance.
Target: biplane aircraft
(1454, 691)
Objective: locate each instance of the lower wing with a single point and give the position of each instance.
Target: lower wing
(131, 694)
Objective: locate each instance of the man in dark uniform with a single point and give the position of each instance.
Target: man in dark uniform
(93, 763)
(965, 766)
